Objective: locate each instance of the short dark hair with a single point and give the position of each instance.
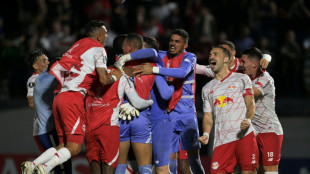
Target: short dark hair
(225, 51)
(229, 43)
(93, 26)
(151, 42)
(136, 40)
(33, 57)
(181, 33)
(118, 43)
(253, 53)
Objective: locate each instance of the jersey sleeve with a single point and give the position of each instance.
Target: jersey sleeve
(204, 70)
(164, 89)
(261, 84)
(30, 85)
(188, 64)
(147, 53)
(100, 57)
(246, 85)
(127, 87)
(207, 106)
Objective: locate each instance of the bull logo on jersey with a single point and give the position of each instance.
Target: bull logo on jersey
(215, 165)
(231, 87)
(221, 101)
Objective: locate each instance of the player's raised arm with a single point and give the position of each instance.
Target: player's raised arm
(204, 70)
(186, 66)
(147, 53)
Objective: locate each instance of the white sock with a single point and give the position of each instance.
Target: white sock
(44, 157)
(60, 157)
(274, 172)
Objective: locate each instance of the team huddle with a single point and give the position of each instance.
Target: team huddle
(145, 100)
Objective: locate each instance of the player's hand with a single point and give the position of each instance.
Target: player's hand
(122, 60)
(127, 111)
(245, 124)
(117, 73)
(129, 71)
(204, 139)
(144, 69)
(264, 62)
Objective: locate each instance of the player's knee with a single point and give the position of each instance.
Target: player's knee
(74, 148)
(271, 168)
(248, 169)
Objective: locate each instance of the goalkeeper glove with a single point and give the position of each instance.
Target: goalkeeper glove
(127, 111)
(122, 60)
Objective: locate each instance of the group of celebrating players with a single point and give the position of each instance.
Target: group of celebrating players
(146, 101)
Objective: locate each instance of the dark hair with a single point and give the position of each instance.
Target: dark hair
(136, 40)
(253, 53)
(151, 42)
(229, 43)
(118, 43)
(181, 33)
(93, 26)
(225, 51)
(33, 57)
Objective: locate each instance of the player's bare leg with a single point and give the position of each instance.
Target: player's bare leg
(123, 152)
(184, 166)
(271, 169)
(162, 169)
(95, 167)
(143, 154)
(122, 159)
(106, 169)
(173, 166)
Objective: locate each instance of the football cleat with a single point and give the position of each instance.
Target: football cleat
(26, 167)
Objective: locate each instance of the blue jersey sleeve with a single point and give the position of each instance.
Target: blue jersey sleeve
(164, 89)
(148, 53)
(188, 64)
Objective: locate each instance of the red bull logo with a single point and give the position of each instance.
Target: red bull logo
(231, 87)
(222, 101)
(215, 165)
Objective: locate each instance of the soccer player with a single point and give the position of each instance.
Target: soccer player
(38, 62)
(75, 72)
(43, 97)
(161, 123)
(137, 132)
(233, 64)
(102, 128)
(266, 123)
(180, 69)
(229, 100)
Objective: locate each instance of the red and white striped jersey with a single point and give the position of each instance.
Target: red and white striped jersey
(225, 99)
(76, 69)
(265, 118)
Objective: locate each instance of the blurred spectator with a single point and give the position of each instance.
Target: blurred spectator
(163, 9)
(244, 40)
(291, 65)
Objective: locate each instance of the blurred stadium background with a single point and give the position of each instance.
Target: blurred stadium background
(278, 27)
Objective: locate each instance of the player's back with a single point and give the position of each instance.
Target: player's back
(102, 105)
(81, 61)
(43, 97)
